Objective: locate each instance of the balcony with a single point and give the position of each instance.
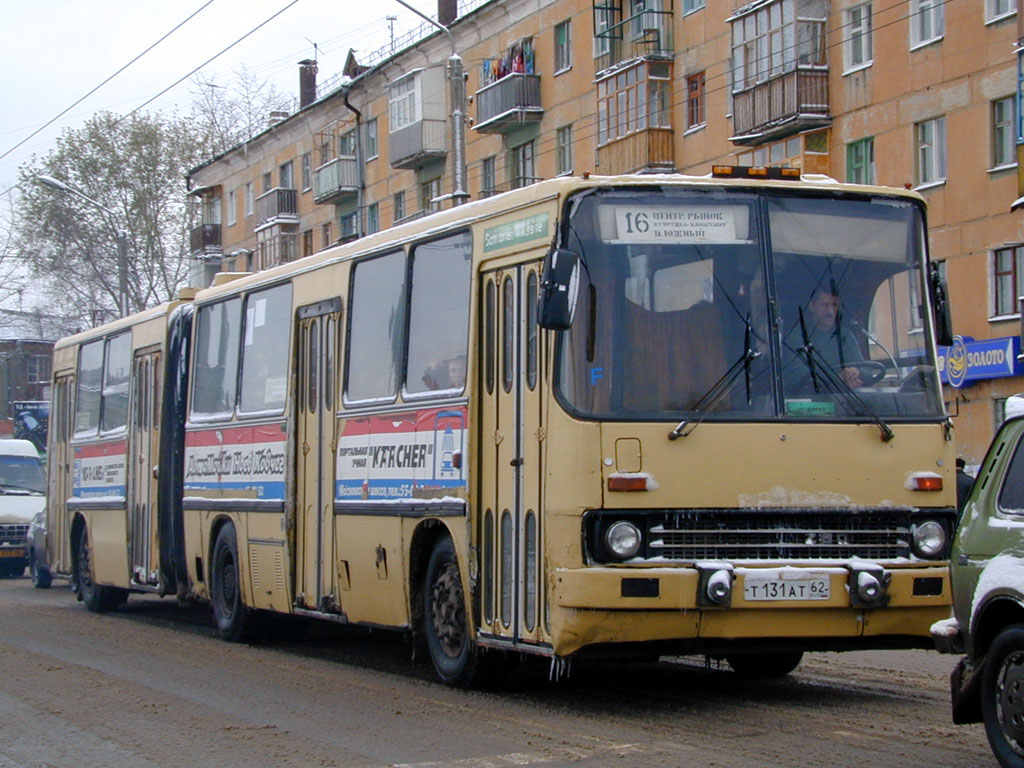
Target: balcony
(418, 143)
(205, 242)
(507, 103)
(276, 249)
(276, 207)
(785, 104)
(644, 35)
(648, 150)
(336, 180)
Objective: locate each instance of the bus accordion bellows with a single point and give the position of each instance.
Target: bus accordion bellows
(596, 416)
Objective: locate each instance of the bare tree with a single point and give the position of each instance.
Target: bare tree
(232, 112)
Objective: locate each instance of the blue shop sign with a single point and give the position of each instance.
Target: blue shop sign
(968, 360)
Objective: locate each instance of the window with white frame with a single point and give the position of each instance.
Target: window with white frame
(998, 9)
(689, 6)
(926, 21)
(307, 170)
(249, 198)
(232, 211)
(776, 39)
(633, 100)
(371, 139)
(563, 45)
(931, 151)
(372, 218)
(521, 165)
(858, 36)
(563, 150)
(430, 190)
(287, 176)
(604, 19)
(398, 206)
(1003, 144)
(1007, 279)
(860, 161)
(488, 177)
(404, 103)
(347, 143)
(695, 100)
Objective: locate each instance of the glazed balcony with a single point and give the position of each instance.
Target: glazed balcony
(418, 143)
(507, 103)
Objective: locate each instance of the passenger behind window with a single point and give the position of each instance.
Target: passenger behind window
(446, 374)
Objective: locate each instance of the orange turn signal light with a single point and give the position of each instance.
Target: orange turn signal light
(627, 483)
(926, 482)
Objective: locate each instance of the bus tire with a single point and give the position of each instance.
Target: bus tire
(445, 627)
(764, 666)
(233, 619)
(96, 597)
(41, 578)
(1002, 696)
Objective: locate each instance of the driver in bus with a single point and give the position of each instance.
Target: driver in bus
(833, 343)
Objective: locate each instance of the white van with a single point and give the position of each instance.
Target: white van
(22, 497)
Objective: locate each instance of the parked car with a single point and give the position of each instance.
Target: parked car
(987, 571)
(22, 497)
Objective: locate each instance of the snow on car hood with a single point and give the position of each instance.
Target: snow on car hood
(20, 509)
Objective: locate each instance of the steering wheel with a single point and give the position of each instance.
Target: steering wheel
(871, 371)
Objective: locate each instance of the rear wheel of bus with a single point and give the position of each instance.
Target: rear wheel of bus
(96, 597)
(234, 620)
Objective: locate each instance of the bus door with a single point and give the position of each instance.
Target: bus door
(141, 468)
(61, 462)
(316, 443)
(510, 530)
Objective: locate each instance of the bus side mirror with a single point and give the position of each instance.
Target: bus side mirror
(559, 288)
(940, 310)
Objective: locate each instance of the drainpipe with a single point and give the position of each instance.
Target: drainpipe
(360, 171)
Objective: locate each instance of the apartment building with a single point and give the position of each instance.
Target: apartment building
(916, 93)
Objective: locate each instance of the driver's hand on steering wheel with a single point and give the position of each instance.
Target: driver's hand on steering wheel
(852, 377)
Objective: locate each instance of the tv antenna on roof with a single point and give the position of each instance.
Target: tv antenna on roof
(391, 27)
(316, 49)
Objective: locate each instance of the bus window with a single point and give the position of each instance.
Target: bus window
(439, 315)
(215, 375)
(115, 382)
(376, 328)
(90, 383)
(265, 351)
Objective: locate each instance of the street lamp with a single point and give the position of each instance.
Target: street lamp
(122, 239)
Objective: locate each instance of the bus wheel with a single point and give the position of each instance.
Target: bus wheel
(764, 666)
(41, 578)
(97, 598)
(444, 619)
(1002, 696)
(232, 617)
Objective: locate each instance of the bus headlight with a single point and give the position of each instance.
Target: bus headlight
(929, 539)
(623, 539)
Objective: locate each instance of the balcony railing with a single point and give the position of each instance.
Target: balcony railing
(335, 180)
(277, 205)
(647, 150)
(647, 34)
(507, 103)
(418, 143)
(205, 241)
(793, 100)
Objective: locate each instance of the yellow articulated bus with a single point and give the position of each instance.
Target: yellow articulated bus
(624, 416)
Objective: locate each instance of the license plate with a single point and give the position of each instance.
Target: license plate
(777, 587)
(12, 552)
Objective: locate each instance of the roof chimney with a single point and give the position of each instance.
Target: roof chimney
(447, 10)
(307, 82)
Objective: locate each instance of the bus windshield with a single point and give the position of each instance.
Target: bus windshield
(742, 306)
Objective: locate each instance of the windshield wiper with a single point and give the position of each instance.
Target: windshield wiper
(720, 388)
(9, 487)
(837, 384)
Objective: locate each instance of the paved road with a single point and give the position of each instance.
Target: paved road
(150, 685)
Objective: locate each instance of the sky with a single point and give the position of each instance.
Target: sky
(55, 52)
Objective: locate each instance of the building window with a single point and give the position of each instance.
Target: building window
(563, 150)
(347, 143)
(633, 100)
(689, 6)
(398, 206)
(37, 369)
(287, 176)
(860, 161)
(372, 218)
(488, 181)
(325, 236)
(997, 9)
(371, 139)
(858, 36)
(926, 21)
(695, 100)
(604, 19)
(267, 182)
(232, 212)
(563, 46)
(1003, 151)
(429, 191)
(521, 165)
(249, 198)
(931, 151)
(1007, 284)
(307, 171)
(307, 243)
(404, 103)
(771, 41)
(349, 225)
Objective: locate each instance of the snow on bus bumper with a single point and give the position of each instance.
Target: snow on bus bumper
(761, 602)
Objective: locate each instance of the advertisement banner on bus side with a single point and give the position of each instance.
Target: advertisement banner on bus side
(98, 470)
(245, 461)
(415, 455)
